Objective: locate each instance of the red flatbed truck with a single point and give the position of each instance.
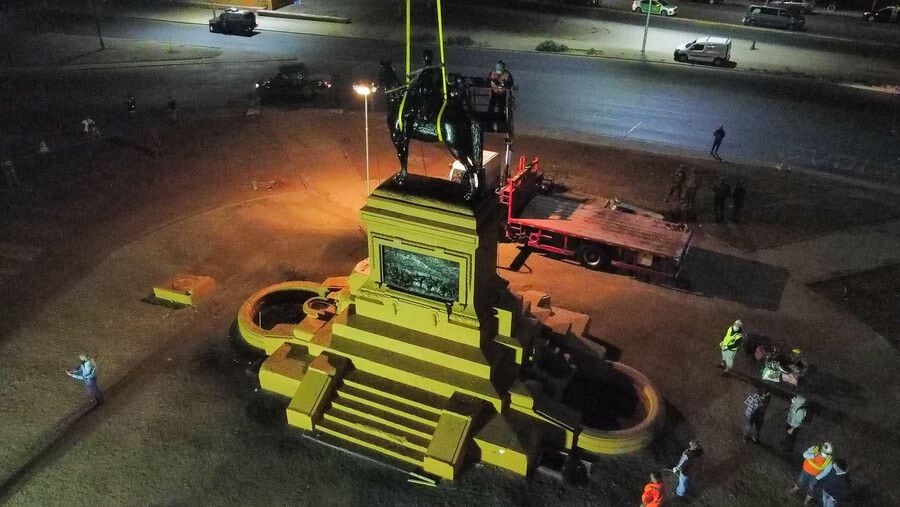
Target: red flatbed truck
(598, 234)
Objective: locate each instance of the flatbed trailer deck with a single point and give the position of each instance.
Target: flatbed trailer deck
(589, 229)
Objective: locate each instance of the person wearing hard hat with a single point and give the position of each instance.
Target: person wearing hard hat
(652, 496)
(817, 463)
(730, 344)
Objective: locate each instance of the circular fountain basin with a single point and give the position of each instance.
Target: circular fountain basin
(269, 316)
(620, 409)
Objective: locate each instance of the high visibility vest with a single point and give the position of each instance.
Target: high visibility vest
(732, 339)
(652, 496)
(814, 466)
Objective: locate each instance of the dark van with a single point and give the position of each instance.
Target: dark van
(233, 20)
(774, 17)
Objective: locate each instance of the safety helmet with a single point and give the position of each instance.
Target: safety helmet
(693, 444)
(826, 448)
(500, 67)
(798, 400)
(738, 324)
(82, 357)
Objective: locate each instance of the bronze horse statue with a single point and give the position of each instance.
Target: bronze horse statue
(414, 112)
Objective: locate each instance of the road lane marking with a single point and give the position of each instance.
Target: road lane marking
(636, 126)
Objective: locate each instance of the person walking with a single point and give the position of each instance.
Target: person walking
(817, 463)
(652, 495)
(685, 466)
(730, 344)
(795, 417)
(835, 485)
(737, 201)
(721, 193)
(755, 413)
(677, 182)
(718, 135)
(86, 372)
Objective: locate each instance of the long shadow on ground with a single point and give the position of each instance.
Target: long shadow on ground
(750, 283)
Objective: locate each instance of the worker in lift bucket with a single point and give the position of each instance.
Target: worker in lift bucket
(501, 82)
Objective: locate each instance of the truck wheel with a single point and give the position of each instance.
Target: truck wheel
(593, 257)
(680, 58)
(718, 62)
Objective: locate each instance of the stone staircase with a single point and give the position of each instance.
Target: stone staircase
(383, 416)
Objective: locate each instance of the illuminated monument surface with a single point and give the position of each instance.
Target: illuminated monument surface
(422, 354)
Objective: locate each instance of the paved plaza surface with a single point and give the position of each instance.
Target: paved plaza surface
(184, 423)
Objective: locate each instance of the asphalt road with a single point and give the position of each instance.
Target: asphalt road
(768, 120)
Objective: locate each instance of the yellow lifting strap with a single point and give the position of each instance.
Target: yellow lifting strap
(440, 23)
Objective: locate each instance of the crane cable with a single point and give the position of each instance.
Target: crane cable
(440, 24)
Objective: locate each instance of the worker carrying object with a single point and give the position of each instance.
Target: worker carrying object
(653, 492)
(501, 82)
(817, 464)
(730, 344)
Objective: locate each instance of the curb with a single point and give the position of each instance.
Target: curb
(270, 13)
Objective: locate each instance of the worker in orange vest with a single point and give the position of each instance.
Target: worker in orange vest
(653, 494)
(817, 463)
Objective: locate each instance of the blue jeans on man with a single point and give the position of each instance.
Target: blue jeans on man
(807, 482)
(682, 485)
(93, 389)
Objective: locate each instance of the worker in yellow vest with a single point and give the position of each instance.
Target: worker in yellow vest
(817, 463)
(730, 344)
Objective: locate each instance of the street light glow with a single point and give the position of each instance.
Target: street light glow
(364, 90)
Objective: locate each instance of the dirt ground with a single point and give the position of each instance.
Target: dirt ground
(184, 423)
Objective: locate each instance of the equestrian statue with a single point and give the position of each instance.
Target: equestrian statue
(429, 108)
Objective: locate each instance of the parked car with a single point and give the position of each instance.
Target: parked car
(884, 15)
(773, 17)
(293, 83)
(804, 6)
(661, 7)
(234, 20)
(714, 50)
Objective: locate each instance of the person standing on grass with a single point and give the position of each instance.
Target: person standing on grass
(652, 495)
(9, 174)
(721, 193)
(817, 463)
(730, 344)
(172, 109)
(795, 417)
(86, 372)
(718, 135)
(685, 466)
(677, 182)
(835, 485)
(755, 413)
